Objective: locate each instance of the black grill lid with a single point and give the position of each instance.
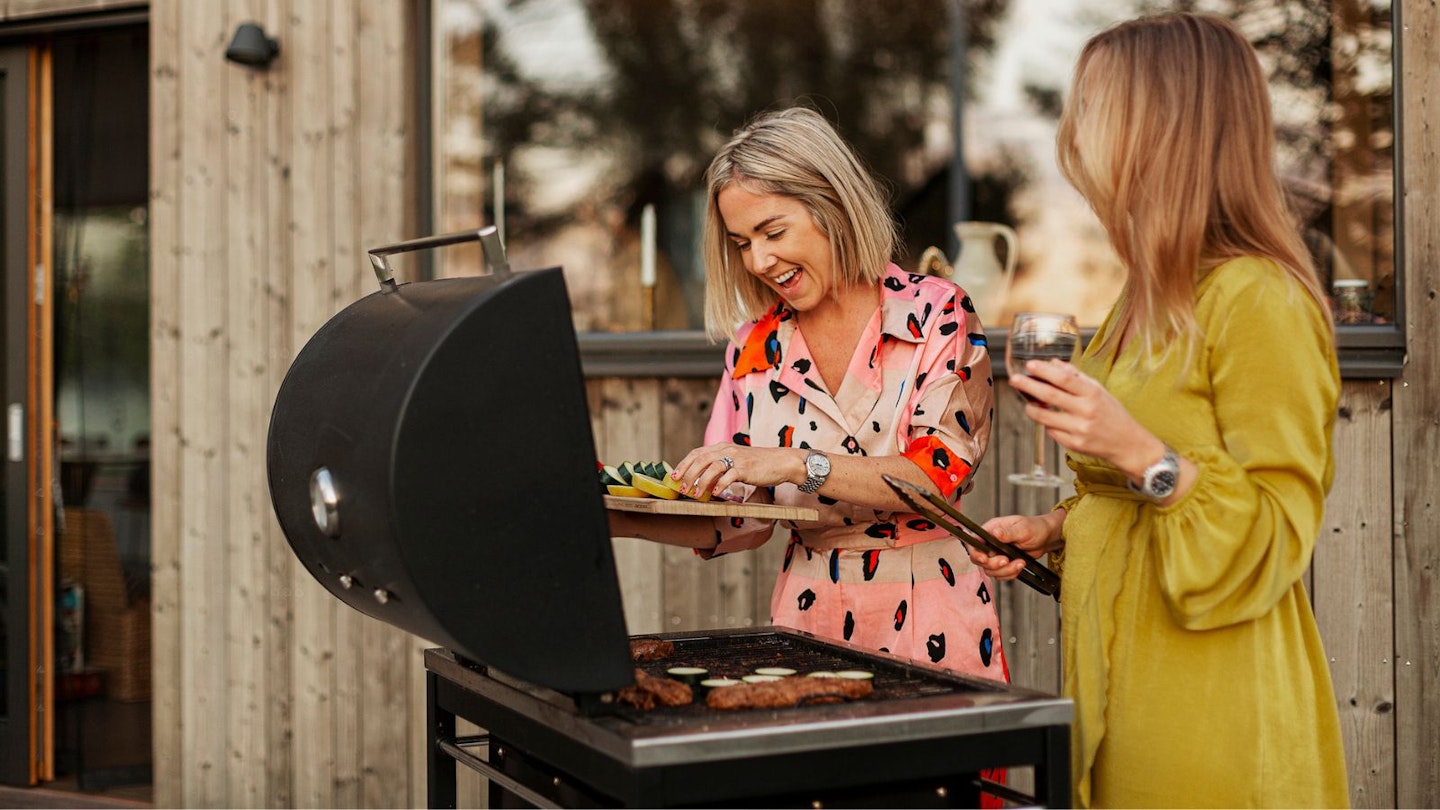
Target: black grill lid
(431, 463)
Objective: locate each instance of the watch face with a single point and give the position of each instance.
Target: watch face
(817, 464)
(1165, 482)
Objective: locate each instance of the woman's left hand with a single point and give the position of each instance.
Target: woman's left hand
(715, 467)
(1082, 416)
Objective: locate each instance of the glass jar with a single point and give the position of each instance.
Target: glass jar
(1351, 300)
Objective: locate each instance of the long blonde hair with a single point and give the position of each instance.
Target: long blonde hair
(1167, 133)
(796, 153)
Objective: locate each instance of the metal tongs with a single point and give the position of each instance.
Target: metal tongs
(1034, 574)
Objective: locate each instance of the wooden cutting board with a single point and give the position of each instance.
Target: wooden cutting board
(660, 506)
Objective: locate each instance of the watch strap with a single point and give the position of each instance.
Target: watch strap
(1159, 479)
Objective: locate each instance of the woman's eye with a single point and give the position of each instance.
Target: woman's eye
(773, 235)
(742, 246)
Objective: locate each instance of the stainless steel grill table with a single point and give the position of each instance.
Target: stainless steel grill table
(920, 740)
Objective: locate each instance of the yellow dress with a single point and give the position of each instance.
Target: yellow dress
(1189, 645)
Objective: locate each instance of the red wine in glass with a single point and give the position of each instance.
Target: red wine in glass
(1040, 336)
(1039, 346)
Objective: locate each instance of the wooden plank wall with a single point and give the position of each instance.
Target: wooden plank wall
(266, 186)
(1415, 437)
(31, 9)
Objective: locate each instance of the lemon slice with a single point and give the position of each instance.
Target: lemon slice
(625, 492)
(652, 487)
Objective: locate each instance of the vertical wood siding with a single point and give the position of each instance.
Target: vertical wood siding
(265, 189)
(30, 9)
(1351, 591)
(1415, 525)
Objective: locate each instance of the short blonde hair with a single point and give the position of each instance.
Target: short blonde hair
(793, 152)
(1167, 133)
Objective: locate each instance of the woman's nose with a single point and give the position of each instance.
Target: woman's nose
(760, 259)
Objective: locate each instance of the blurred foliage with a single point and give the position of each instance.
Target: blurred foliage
(684, 74)
(1318, 51)
(665, 82)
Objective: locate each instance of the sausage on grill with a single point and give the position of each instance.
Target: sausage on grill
(788, 692)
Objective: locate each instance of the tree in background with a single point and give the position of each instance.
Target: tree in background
(681, 75)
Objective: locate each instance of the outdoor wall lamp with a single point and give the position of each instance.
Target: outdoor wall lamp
(252, 47)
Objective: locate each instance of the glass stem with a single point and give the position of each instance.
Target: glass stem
(1040, 451)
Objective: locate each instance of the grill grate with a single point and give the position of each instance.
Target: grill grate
(733, 656)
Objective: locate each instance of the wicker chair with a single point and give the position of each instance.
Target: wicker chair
(117, 613)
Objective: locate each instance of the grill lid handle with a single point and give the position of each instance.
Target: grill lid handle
(488, 237)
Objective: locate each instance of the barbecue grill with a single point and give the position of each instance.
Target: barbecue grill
(431, 464)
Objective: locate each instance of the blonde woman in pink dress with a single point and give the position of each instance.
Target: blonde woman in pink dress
(840, 367)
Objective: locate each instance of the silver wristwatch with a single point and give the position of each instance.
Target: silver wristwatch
(1161, 477)
(817, 469)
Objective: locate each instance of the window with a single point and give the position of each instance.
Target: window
(569, 118)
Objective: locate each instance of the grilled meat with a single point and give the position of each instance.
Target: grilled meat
(788, 692)
(649, 690)
(648, 648)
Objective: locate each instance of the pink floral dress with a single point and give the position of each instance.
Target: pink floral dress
(919, 385)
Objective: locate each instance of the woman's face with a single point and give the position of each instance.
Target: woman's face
(780, 243)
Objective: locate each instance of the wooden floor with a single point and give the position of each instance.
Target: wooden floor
(51, 797)
(108, 743)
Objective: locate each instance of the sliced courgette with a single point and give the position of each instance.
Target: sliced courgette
(621, 491)
(651, 486)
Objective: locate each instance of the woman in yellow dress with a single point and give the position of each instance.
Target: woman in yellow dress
(1198, 423)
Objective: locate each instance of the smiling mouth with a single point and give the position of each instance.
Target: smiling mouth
(784, 279)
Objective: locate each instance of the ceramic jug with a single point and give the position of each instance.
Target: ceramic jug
(978, 269)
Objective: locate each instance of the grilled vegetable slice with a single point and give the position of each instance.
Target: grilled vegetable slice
(690, 675)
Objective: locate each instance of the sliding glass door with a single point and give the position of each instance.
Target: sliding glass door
(26, 596)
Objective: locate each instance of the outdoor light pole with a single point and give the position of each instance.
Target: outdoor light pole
(959, 175)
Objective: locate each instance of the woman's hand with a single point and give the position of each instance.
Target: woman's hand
(1034, 535)
(715, 467)
(1080, 415)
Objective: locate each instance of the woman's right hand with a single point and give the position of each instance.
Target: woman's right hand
(1035, 535)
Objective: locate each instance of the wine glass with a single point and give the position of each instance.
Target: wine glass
(1040, 336)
